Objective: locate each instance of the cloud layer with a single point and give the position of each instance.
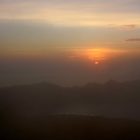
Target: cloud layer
(133, 39)
(74, 12)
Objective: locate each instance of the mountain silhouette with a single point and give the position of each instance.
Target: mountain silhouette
(112, 99)
(48, 111)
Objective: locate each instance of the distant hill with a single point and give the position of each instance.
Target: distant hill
(112, 99)
(48, 111)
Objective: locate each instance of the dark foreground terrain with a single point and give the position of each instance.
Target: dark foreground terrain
(70, 127)
(33, 112)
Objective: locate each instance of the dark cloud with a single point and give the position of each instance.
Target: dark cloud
(129, 26)
(133, 40)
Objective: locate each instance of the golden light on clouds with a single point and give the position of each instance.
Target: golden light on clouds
(99, 55)
(96, 55)
(68, 13)
(74, 18)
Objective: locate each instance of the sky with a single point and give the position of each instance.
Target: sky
(69, 42)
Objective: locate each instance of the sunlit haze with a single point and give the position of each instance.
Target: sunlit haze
(69, 42)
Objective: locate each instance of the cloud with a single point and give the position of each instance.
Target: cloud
(125, 26)
(129, 26)
(72, 13)
(133, 40)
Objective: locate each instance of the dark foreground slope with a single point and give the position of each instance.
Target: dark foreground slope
(33, 112)
(71, 127)
(112, 99)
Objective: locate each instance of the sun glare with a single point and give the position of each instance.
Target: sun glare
(97, 55)
(96, 63)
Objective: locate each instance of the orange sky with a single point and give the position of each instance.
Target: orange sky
(69, 34)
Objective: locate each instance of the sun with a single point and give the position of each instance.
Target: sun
(96, 62)
(95, 55)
